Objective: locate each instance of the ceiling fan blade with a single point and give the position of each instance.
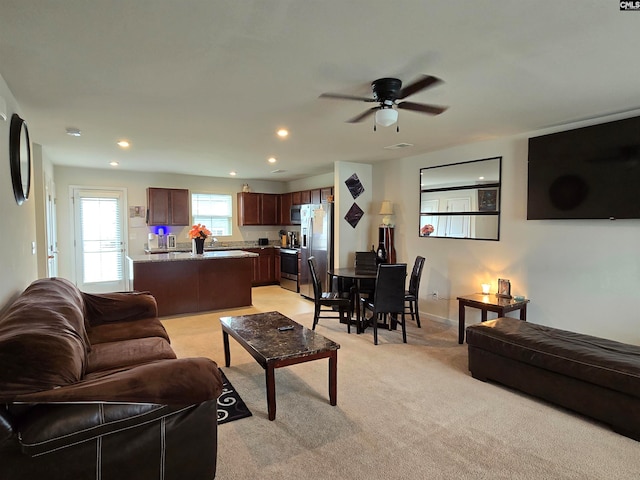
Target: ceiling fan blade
(346, 97)
(363, 115)
(423, 82)
(422, 108)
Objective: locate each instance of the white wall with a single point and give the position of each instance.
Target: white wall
(19, 266)
(581, 275)
(348, 239)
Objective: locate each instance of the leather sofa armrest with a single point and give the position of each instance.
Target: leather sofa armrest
(118, 307)
(6, 426)
(184, 381)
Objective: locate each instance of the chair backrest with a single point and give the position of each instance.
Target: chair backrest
(317, 284)
(390, 282)
(366, 262)
(416, 274)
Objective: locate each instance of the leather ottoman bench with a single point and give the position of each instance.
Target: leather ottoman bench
(593, 376)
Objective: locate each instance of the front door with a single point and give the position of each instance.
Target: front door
(99, 239)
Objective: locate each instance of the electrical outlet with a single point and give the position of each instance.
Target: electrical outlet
(434, 295)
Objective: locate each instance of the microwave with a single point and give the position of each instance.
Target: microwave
(295, 215)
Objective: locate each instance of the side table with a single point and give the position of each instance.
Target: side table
(488, 303)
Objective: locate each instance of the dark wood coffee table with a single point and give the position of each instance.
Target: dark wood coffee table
(272, 348)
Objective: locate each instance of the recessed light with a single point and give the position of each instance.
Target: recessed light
(114, 163)
(73, 132)
(480, 178)
(123, 144)
(283, 133)
(272, 160)
(233, 173)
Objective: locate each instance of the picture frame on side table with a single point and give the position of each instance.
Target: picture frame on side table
(504, 288)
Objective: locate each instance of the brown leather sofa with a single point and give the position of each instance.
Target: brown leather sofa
(90, 388)
(593, 376)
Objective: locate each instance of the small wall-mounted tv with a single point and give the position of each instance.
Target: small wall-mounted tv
(586, 173)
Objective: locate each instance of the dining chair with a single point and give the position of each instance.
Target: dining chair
(411, 295)
(326, 302)
(366, 263)
(388, 298)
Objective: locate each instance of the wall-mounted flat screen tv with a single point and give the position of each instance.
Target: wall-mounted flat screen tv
(585, 173)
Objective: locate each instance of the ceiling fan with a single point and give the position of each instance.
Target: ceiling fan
(387, 92)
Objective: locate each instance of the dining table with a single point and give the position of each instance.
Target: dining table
(356, 275)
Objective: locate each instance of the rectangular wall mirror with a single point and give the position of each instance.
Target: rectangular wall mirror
(461, 200)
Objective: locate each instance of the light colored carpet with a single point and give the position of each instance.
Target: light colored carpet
(405, 411)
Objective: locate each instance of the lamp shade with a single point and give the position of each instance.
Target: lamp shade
(386, 208)
(386, 116)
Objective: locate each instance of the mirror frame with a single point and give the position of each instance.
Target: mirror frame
(475, 214)
(20, 166)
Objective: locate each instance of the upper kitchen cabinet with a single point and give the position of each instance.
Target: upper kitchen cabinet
(284, 209)
(257, 209)
(325, 194)
(167, 206)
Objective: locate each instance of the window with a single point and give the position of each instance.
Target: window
(214, 211)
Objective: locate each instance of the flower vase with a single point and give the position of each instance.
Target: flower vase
(197, 247)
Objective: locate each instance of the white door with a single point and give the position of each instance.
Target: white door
(99, 239)
(52, 235)
(458, 225)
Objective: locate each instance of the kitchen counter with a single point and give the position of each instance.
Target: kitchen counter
(186, 283)
(174, 256)
(183, 247)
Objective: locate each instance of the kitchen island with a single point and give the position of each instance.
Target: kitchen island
(187, 283)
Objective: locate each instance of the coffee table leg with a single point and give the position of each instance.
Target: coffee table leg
(461, 323)
(271, 391)
(227, 352)
(333, 378)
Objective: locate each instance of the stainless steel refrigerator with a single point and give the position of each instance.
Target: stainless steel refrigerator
(316, 240)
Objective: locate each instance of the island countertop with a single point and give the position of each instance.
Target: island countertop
(173, 256)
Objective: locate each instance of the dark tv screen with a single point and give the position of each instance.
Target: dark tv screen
(590, 172)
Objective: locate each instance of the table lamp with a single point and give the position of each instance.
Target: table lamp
(387, 211)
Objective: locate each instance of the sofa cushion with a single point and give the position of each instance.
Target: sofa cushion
(118, 307)
(595, 360)
(105, 356)
(116, 331)
(43, 340)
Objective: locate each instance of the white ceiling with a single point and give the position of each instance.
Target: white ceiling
(201, 86)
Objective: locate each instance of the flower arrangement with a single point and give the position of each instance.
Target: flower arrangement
(199, 231)
(426, 230)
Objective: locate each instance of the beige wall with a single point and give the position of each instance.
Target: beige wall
(19, 266)
(581, 275)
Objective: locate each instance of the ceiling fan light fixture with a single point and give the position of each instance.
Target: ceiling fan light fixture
(386, 117)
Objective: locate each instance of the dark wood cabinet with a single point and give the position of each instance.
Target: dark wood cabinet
(257, 209)
(325, 193)
(315, 195)
(264, 272)
(284, 209)
(182, 286)
(167, 206)
(270, 209)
